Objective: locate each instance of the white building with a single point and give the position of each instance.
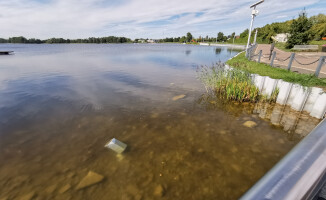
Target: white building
(282, 37)
(153, 41)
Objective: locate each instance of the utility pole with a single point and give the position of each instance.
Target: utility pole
(254, 13)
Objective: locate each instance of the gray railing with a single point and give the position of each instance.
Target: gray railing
(250, 51)
(292, 58)
(299, 175)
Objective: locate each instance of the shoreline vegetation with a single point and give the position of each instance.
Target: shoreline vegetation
(232, 84)
(235, 83)
(99, 40)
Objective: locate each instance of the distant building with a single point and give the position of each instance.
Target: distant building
(282, 37)
(141, 41)
(237, 36)
(153, 41)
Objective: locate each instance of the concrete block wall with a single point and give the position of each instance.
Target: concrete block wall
(300, 98)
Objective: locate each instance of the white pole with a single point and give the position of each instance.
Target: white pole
(250, 29)
(256, 36)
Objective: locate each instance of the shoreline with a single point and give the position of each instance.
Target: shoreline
(236, 46)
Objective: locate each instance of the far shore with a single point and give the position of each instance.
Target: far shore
(237, 46)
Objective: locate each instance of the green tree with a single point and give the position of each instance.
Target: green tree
(20, 39)
(220, 37)
(232, 35)
(189, 37)
(299, 31)
(244, 34)
(318, 29)
(183, 39)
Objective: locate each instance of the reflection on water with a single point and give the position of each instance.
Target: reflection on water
(218, 51)
(59, 105)
(295, 124)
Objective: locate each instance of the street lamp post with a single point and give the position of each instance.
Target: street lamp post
(254, 13)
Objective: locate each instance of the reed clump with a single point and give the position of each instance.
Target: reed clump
(231, 84)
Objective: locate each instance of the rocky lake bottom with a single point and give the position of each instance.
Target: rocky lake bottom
(60, 104)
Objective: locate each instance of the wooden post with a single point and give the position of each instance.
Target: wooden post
(259, 56)
(273, 57)
(291, 61)
(320, 64)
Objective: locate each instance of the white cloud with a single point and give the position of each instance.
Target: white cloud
(130, 18)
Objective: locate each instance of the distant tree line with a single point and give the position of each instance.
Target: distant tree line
(189, 38)
(110, 39)
(302, 30)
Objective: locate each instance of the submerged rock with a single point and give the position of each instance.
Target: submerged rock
(90, 179)
(64, 189)
(175, 98)
(159, 191)
(250, 124)
(28, 196)
(133, 190)
(236, 167)
(50, 189)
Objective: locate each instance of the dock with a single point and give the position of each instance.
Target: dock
(6, 52)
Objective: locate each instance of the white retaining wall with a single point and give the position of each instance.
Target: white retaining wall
(310, 99)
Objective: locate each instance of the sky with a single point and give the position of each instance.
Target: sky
(142, 18)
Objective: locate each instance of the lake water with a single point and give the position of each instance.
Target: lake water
(60, 104)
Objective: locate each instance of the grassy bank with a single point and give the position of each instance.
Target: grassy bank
(262, 69)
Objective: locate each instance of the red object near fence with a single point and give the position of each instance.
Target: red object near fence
(324, 38)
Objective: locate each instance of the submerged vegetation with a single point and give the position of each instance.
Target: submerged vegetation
(231, 84)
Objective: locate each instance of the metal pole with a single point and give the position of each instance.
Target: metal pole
(256, 36)
(273, 57)
(291, 60)
(247, 52)
(320, 64)
(250, 29)
(260, 53)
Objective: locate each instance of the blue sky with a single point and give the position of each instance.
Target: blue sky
(141, 18)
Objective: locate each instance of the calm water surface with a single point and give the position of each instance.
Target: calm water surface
(60, 104)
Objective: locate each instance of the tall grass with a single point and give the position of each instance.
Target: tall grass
(231, 84)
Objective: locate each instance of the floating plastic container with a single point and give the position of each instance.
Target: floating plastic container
(116, 145)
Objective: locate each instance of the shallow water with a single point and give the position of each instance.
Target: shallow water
(60, 104)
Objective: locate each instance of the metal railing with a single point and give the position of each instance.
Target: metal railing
(299, 175)
(250, 51)
(321, 61)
